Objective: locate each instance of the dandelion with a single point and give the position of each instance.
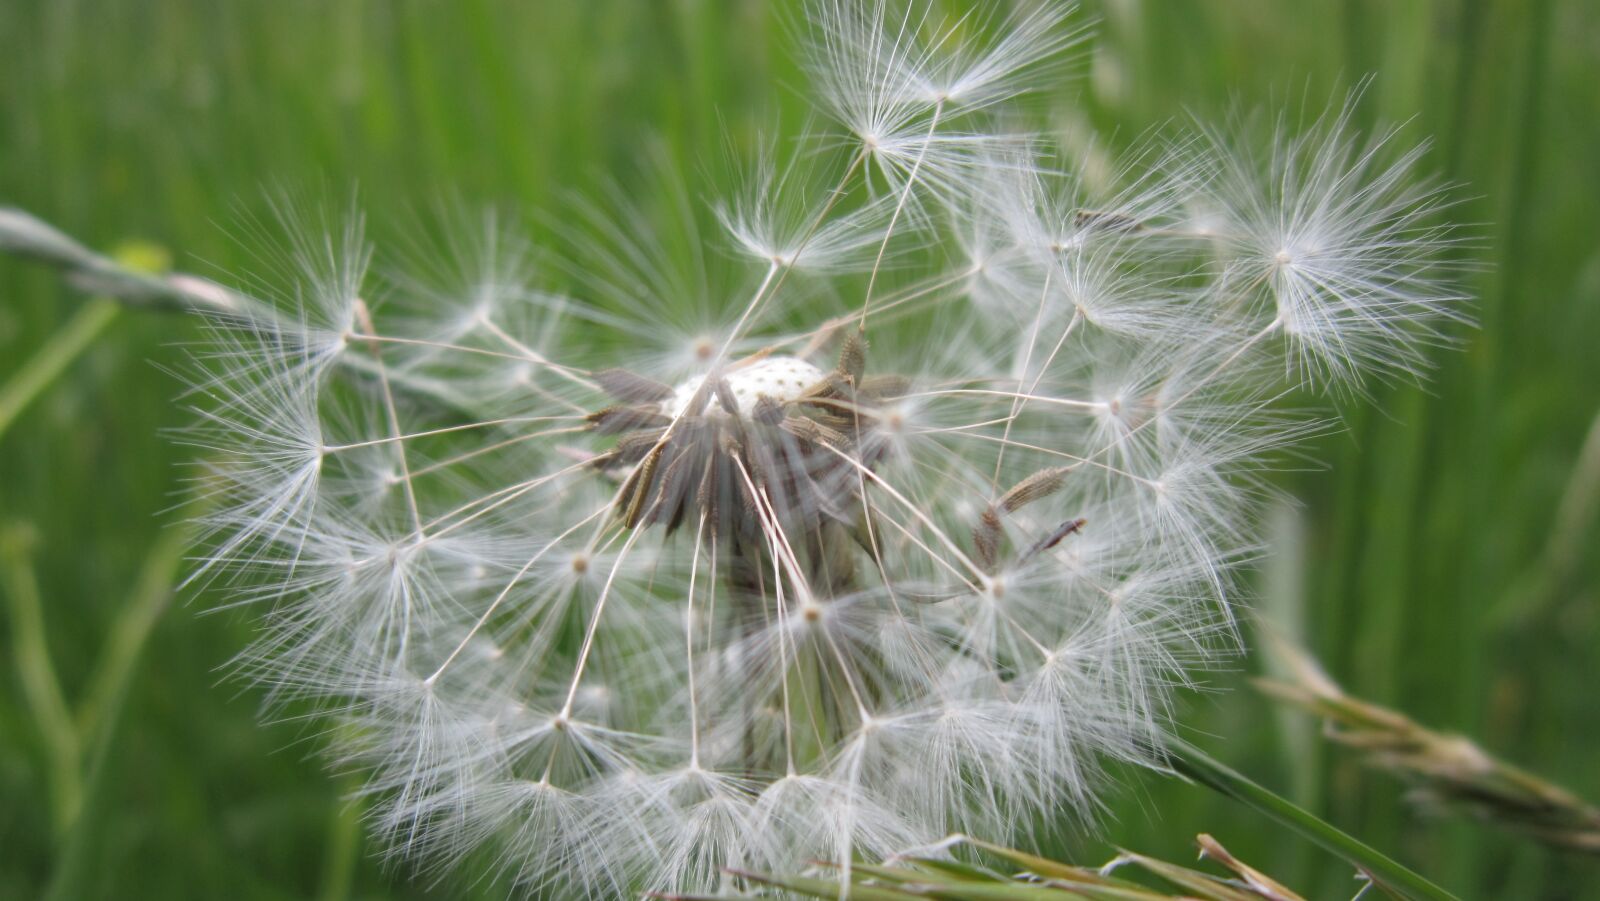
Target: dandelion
(908, 525)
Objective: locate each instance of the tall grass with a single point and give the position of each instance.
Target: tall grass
(1425, 578)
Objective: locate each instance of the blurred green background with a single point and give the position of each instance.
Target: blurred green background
(1432, 566)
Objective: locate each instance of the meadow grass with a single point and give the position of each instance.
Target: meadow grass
(1430, 568)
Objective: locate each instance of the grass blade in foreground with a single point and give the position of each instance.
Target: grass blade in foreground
(1034, 879)
(1198, 766)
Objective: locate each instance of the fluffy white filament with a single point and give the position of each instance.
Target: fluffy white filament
(1015, 530)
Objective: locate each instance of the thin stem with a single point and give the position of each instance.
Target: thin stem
(1238, 352)
(1538, 591)
(45, 366)
(335, 448)
(506, 591)
(1014, 396)
(41, 688)
(782, 550)
(819, 336)
(368, 333)
(780, 541)
(152, 593)
(1027, 360)
(874, 510)
(100, 714)
(571, 374)
(343, 850)
(914, 511)
(500, 497)
(688, 648)
(476, 452)
(594, 623)
(968, 427)
(1052, 452)
(778, 272)
(755, 301)
(364, 316)
(783, 680)
(905, 194)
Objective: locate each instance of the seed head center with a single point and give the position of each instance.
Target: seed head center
(781, 378)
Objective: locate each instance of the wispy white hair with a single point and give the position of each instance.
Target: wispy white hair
(903, 516)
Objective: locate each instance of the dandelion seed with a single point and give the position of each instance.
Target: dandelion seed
(1341, 239)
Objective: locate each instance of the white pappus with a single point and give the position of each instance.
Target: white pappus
(907, 526)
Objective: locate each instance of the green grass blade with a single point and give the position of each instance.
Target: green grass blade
(1200, 767)
(41, 688)
(45, 366)
(824, 888)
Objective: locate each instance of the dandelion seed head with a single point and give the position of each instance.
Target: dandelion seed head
(905, 518)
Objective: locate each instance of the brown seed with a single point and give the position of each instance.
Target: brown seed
(1041, 484)
(633, 446)
(725, 396)
(638, 489)
(986, 537)
(853, 358)
(767, 411)
(1070, 527)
